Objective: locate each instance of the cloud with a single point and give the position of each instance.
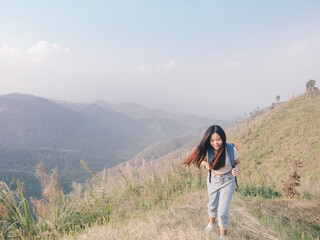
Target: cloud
(34, 62)
(142, 67)
(304, 45)
(10, 50)
(171, 64)
(10, 56)
(166, 67)
(299, 46)
(44, 48)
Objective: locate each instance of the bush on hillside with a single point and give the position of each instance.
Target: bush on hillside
(289, 187)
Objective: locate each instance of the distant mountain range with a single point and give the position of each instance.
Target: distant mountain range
(34, 129)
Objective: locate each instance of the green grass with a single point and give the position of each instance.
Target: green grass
(263, 191)
(18, 221)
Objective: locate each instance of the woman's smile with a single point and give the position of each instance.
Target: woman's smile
(216, 141)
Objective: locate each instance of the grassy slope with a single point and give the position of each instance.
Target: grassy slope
(268, 142)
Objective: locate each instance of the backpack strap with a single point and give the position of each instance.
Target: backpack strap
(230, 151)
(210, 156)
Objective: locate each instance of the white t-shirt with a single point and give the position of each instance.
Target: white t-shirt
(227, 167)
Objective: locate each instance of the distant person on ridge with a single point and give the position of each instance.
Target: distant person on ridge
(221, 159)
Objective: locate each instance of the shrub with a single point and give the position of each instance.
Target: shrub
(289, 187)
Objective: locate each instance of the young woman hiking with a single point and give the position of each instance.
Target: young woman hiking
(212, 154)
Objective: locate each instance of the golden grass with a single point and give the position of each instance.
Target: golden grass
(186, 218)
(268, 142)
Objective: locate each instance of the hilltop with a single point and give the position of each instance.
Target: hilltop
(268, 142)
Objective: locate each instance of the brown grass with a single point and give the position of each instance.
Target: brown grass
(185, 219)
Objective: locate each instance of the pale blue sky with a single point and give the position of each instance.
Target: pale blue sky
(205, 57)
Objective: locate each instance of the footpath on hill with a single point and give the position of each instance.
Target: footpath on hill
(186, 218)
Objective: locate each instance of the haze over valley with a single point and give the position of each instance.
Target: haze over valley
(35, 129)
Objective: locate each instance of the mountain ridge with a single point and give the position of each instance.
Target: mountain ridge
(35, 129)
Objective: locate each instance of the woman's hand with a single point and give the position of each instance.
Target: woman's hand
(235, 172)
(206, 166)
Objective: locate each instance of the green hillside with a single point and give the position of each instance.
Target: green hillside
(268, 142)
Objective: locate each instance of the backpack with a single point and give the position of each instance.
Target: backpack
(230, 151)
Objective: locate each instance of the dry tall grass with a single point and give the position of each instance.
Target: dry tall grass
(185, 219)
(267, 143)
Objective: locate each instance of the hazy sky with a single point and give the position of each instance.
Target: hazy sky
(208, 57)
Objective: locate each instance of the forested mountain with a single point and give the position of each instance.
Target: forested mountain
(34, 129)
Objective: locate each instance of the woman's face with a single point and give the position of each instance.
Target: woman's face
(216, 141)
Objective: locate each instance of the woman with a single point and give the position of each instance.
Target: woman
(221, 182)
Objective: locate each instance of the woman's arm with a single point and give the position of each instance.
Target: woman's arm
(236, 170)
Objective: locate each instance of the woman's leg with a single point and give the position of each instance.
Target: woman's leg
(225, 197)
(212, 220)
(213, 203)
(223, 232)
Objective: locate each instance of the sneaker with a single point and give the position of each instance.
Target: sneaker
(223, 237)
(210, 227)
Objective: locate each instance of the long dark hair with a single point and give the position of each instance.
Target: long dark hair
(200, 152)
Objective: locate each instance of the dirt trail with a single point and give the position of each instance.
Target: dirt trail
(185, 219)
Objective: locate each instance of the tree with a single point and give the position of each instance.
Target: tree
(278, 99)
(310, 85)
